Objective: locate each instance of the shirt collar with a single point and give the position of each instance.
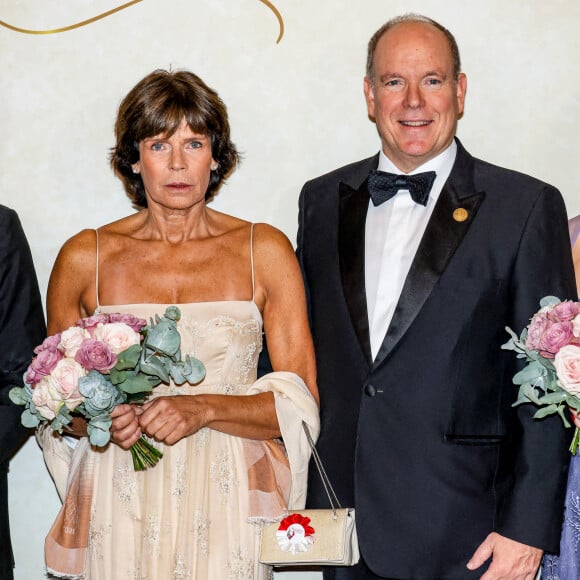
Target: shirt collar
(442, 164)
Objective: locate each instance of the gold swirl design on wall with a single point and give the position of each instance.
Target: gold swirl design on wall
(278, 16)
(72, 26)
(122, 7)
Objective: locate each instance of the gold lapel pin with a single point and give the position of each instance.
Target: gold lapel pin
(460, 214)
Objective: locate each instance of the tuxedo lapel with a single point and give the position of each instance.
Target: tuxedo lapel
(452, 216)
(353, 207)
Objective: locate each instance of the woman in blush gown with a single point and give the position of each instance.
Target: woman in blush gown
(196, 514)
(566, 566)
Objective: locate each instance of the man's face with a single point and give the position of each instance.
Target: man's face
(414, 99)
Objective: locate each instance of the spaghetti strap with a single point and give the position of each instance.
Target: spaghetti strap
(98, 308)
(252, 257)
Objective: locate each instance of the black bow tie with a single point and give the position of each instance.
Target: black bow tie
(383, 186)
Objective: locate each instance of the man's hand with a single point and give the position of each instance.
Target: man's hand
(510, 559)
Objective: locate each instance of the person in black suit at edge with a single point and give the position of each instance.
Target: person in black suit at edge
(22, 328)
(412, 279)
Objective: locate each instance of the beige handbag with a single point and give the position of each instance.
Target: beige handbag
(320, 537)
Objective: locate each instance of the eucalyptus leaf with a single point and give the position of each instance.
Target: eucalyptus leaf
(155, 367)
(549, 301)
(163, 338)
(531, 372)
(512, 334)
(545, 411)
(531, 394)
(99, 432)
(550, 381)
(177, 373)
(189, 370)
(197, 372)
(509, 345)
(128, 359)
(18, 395)
(29, 419)
(117, 377)
(522, 397)
(557, 397)
(58, 423)
(135, 384)
(563, 416)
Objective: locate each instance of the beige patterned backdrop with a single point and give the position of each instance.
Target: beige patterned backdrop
(291, 74)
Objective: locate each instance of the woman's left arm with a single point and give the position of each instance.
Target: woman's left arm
(280, 295)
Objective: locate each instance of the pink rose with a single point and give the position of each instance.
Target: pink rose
(71, 340)
(565, 311)
(557, 335)
(118, 336)
(65, 379)
(135, 323)
(95, 355)
(91, 322)
(49, 343)
(46, 399)
(42, 365)
(567, 363)
(536, 330)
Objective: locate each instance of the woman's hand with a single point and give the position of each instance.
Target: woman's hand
(169, 419)
(125, 430)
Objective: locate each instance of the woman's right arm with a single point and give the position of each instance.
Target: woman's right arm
(71, 288)
(72, 295)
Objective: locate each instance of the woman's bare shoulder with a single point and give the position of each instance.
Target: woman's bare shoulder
(269, 240)
(78, 247)
(80, 250)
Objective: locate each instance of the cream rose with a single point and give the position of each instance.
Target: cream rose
(46, 399)
(567, 363)
(71, 340)
(65, 379)
(117, 336)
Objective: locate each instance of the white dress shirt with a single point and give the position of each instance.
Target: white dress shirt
(392, 234)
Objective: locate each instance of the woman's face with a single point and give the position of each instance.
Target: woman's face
(176, 169)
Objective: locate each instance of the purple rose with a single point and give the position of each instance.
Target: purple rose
(536, 330)
(557, 335)
(565, 311)
(95, 355)
(49, 343)
(42, 365)
(132, 321)
(91, 322)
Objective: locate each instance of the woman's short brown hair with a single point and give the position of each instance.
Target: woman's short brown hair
(156, 105)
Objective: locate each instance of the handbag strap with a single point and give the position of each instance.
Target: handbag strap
(332, 498)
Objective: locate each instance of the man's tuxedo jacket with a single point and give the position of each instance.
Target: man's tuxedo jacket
(21, 329)
(423, 441)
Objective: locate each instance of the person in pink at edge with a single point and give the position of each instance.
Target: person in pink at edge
(566, 565)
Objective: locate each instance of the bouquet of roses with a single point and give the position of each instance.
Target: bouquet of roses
(102, 361)
(551, 346)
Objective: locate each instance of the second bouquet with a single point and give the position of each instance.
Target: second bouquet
(103, 361)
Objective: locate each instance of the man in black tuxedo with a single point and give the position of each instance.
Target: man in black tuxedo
(21, 329)
(409, 299)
